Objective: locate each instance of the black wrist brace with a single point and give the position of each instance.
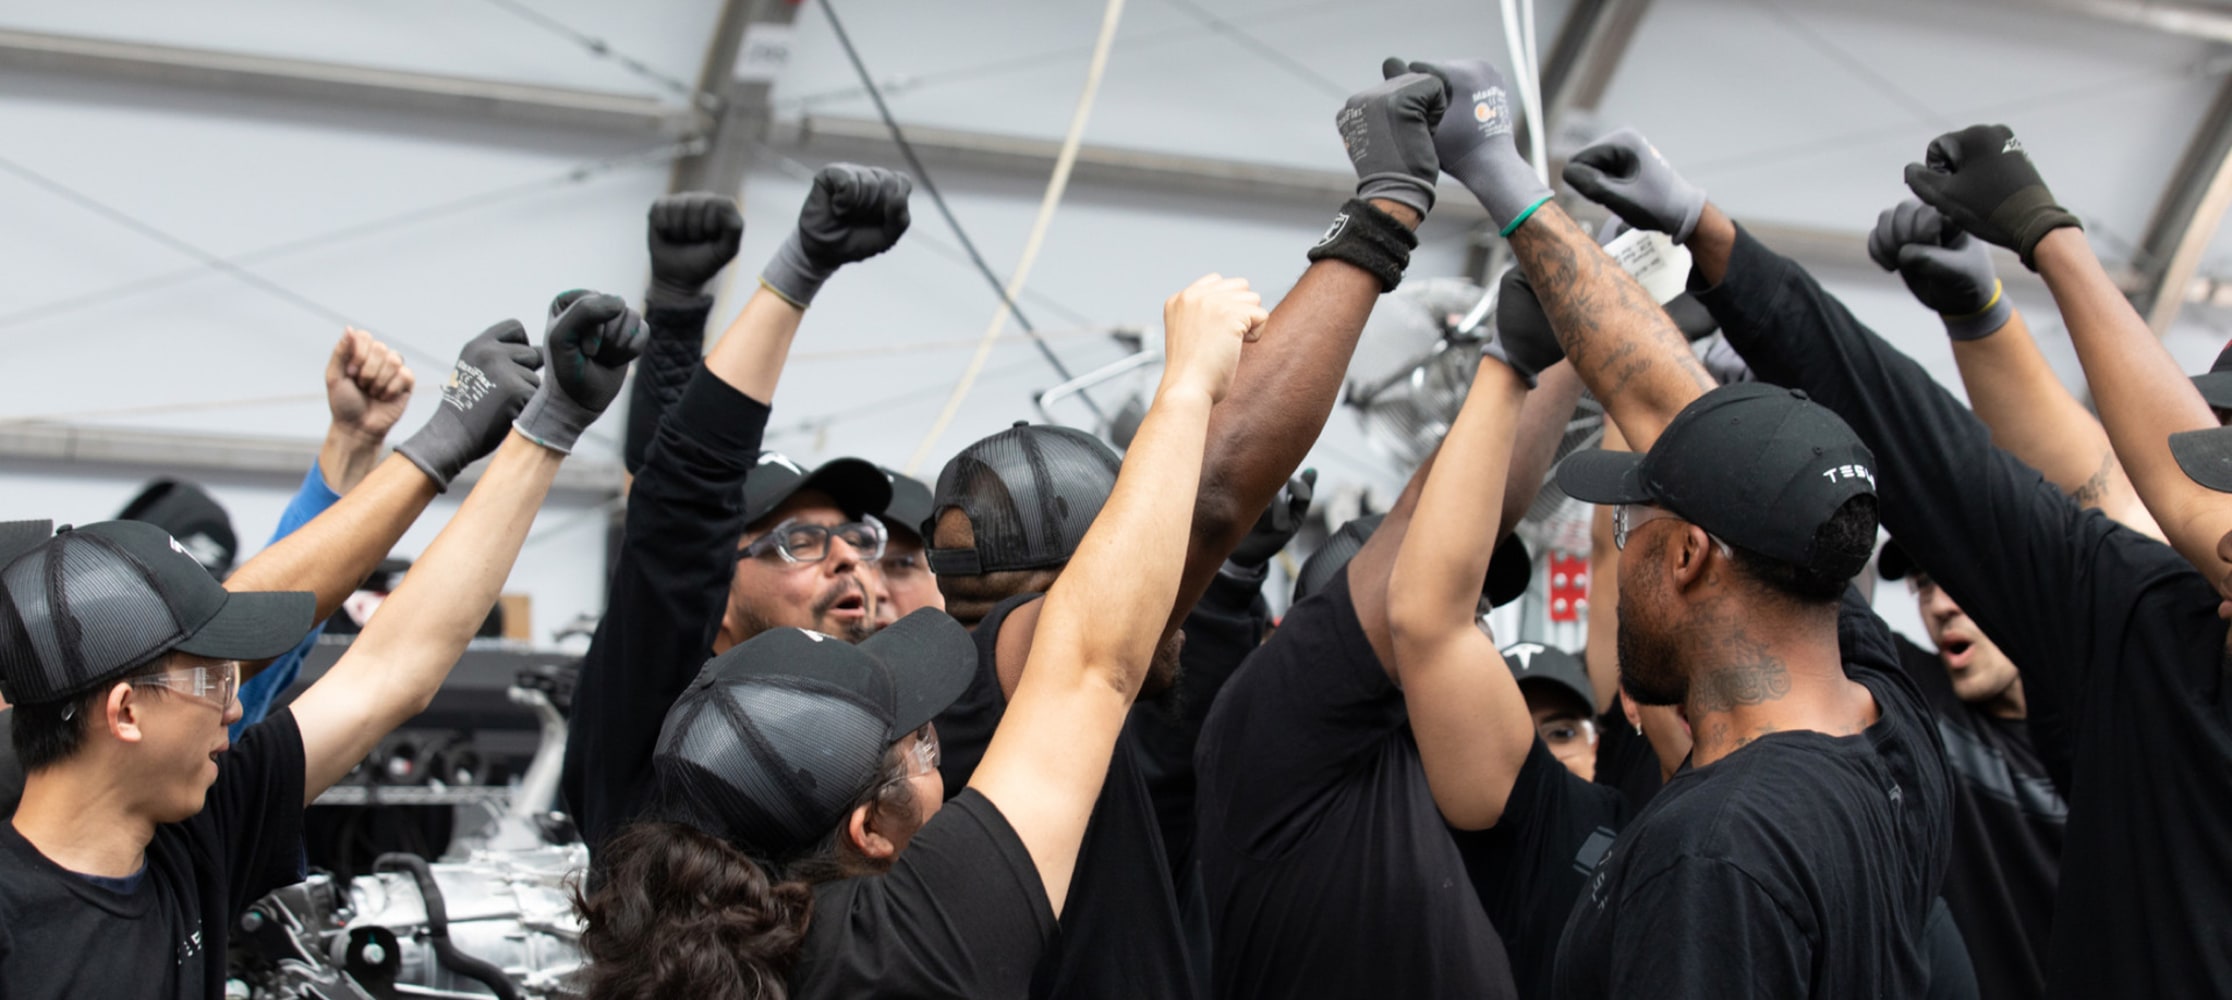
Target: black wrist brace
(1370, 239)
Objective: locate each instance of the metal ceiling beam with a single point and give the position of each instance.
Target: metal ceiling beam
(1587, 54)
(2185, 220)
(242, 74)
(750, 44)
(2211, 23)
(150, 452)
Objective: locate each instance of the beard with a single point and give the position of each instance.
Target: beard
(755, 621)
(1650, 664)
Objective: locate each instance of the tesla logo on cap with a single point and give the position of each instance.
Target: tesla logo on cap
(1524, 653)
(1849, 472)
(811, 634)
(175, 547)
(778, 458)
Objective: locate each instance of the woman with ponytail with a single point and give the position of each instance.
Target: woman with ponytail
(796, 847)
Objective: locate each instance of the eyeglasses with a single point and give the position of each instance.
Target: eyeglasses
(1625, 523)
(803, 542)
(923, 757)
(1562, 734)
(211, 684)
(902, 566)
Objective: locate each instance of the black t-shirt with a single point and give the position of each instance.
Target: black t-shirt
(1625, 760)
(2123, 656)
(1800, 865)
(63, 936)
(1532, 865)
(1329, 872)
(11, 769)
(962, 914)
(1120, 935)
(2008, 822)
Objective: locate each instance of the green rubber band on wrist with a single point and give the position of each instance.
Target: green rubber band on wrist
(1523, 216)
(1997, 289)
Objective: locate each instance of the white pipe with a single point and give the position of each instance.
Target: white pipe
(1054, 188)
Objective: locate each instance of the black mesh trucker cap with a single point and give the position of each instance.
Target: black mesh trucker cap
(780, 734)
(2216, 383)
(857, 486)
(193, 517)
(1753, 464)
(909, 507)
(1510, 569)
(1029, 491)
(1535, 663)
(90, 605)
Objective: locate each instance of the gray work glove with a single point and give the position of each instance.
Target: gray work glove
(586, 350)
(1524, 339)
(1625, 173)
(1981, 178)
(1389, 131)
(492, 379)
(693, 235)
(853, 213)
(1278, 524)
(1474, 136)
(1947, 269)
(1722, 362)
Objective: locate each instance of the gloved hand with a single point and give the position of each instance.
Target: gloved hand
(693, 235)
(1625, 173)
(853, 213)
(1945, 268)
(1278, 524)
(1474, 138)
(590, 340)
(1523, 337)
(492, 379)
(1722, 362)
(1389, 132)
(1983, 181)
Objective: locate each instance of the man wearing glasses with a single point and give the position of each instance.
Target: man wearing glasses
(723, 542)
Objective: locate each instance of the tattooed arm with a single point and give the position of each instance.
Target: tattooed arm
(1625, 348)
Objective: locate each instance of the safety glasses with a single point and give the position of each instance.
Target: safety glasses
(799, 542)
(212, 684)
(1625, 520)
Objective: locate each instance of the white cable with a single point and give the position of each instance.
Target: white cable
(1518, 43)
(1054, 188)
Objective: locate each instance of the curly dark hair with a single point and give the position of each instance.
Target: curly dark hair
(1841, 549)
(679, 912)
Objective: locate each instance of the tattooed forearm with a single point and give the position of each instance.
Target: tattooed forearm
(1619, 340)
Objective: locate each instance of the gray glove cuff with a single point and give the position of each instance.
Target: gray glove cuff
(440, 449)
(1985, 322)
(552, 420)
(1504, 183)
(1402, 189)
(794, 276)
(1244, 573)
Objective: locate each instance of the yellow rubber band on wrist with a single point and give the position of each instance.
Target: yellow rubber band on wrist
(1523, 216)
(1997, 288)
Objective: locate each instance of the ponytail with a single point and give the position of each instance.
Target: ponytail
(680, 912)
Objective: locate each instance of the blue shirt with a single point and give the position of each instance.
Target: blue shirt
(258, 692)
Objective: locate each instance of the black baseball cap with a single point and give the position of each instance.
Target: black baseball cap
(1755, 465)
(909, 507)
(90, 605)
(857, 486)
(780, 734)
(2206, 456)
(1510, 568)
(1029, 491)
(2216, 383)
(1535, 663)
(190, 515)
(1893, 563)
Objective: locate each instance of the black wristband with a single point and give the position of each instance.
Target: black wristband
(1370, 239)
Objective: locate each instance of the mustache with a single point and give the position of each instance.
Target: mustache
(847, 587)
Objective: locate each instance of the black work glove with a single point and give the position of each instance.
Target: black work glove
(1625, 173)
(1389, 131)
(1523, 337)
(1983, 181)
(586, 350)
(693, 235)
(1474, 136)
(492, 379)
(1944, 267)
(1278, 524)
(853, 213)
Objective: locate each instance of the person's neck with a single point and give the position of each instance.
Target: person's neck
(2008, 704)
(1758, 676)
(84, 821)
